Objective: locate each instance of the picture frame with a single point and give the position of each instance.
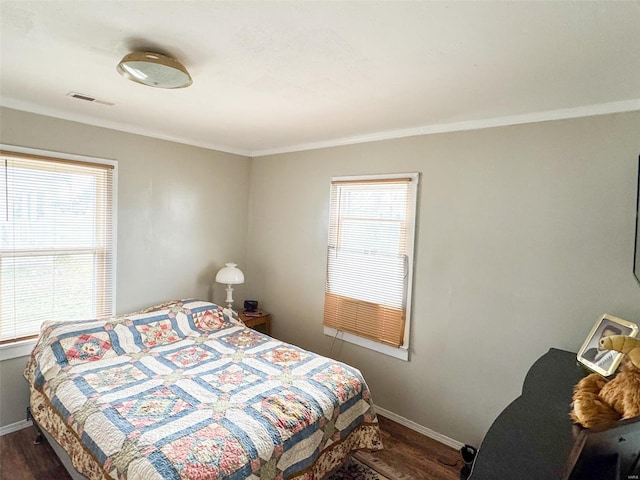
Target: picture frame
(636, 250)
(604, 362)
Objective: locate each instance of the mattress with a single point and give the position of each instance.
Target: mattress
(184, 390)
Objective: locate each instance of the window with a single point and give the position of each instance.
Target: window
(370, 259)
(56, 241)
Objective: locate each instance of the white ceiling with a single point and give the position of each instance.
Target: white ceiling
(282, 76)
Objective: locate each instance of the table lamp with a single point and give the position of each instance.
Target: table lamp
(230, 275)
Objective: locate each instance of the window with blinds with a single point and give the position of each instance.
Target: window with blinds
(56, 242)
(370, 256)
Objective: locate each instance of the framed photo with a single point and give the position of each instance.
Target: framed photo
(593, 356)
(636, 253)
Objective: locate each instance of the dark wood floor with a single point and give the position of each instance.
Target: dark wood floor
(406, 450)
(21, 459)
(421, 457)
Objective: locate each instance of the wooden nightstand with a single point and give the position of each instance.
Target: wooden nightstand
(263, 321)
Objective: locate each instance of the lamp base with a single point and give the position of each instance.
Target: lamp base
(229, 298)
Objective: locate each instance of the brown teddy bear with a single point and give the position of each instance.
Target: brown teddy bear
(599, 403)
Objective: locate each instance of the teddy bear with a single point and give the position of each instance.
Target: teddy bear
(599, 403)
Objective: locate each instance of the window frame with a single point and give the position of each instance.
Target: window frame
(401, 352)
(22, 346)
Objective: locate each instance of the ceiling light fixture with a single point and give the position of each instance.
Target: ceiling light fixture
(154, 70)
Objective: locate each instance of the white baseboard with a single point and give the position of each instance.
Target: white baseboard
(14, 427)
(419, 428)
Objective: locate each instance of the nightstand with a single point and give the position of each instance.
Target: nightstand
(261, 319)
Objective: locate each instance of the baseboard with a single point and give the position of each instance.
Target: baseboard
(419, 428)
(14, 427)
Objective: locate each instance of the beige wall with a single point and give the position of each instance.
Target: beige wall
(525, 238)
(182, 212)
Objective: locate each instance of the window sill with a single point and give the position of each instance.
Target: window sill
(17, 349)
(400, 353)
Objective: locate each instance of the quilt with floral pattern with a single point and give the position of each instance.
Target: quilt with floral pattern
(185, 391)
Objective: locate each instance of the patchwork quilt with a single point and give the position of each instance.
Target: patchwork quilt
(185, 391)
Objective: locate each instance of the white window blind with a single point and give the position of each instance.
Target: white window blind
(370, 256)
(56, 242)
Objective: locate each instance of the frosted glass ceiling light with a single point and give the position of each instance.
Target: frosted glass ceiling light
(154, 70)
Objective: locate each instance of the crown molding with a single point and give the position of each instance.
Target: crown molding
(96, 122)
(535, 117)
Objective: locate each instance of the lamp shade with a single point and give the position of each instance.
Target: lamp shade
(230, 275)
(154, 70)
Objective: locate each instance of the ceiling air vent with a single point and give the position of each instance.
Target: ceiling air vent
(87, 98)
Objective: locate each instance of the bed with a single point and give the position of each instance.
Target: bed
(184, 390)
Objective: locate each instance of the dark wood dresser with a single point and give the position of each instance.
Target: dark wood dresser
(534, 438)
